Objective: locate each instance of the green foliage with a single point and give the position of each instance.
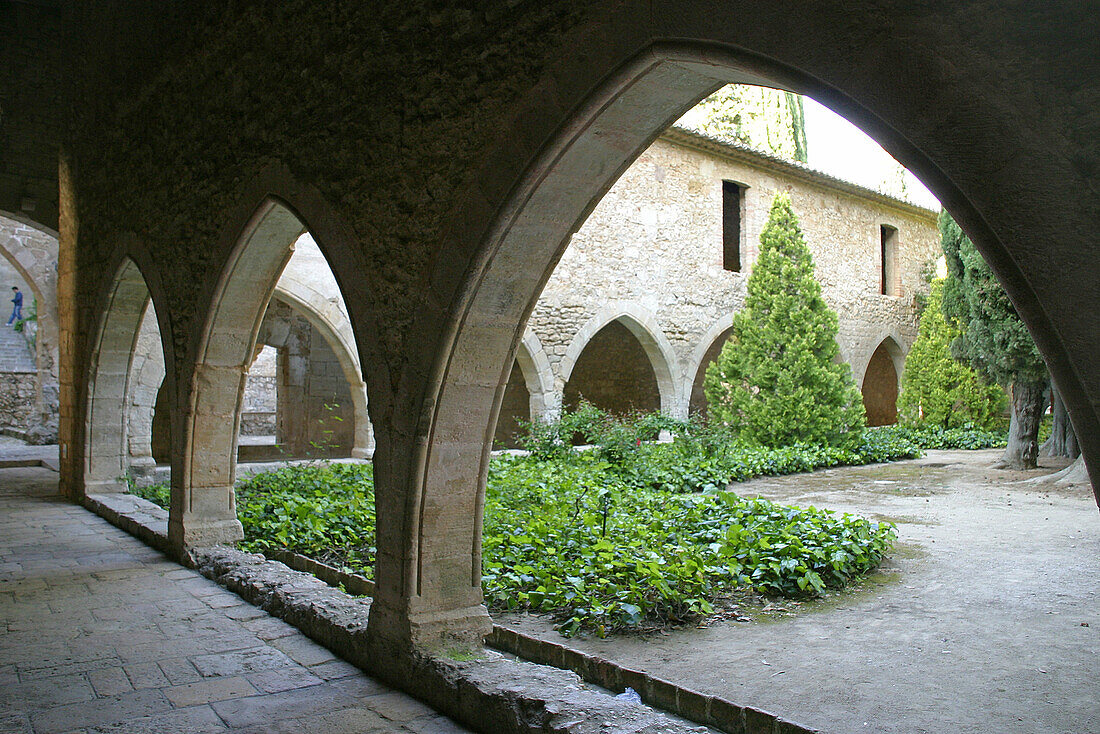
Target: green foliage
(159, 494)
(322, 511)
(766, 119)
(991, 335)
(32, 315)
(612, 437)
(577, 541)
(798, 126)
(939, 390)
(626, 533)
(778, 380)
(937, 437)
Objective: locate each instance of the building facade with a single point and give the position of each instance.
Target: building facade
(643, 298)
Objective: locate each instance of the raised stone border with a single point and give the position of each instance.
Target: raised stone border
(353, 584)
(712, 711)
(694, 706)
(490, 693)
(139, 517)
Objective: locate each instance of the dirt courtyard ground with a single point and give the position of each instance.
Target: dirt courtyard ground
(985, 619)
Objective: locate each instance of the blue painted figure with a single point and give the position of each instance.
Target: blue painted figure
(17, 306)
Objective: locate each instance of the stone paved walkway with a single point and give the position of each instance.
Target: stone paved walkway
(99, 633)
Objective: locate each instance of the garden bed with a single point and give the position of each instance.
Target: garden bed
(628, 535)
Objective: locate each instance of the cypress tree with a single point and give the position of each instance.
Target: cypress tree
(937, 389)
(993, 338)
(778, 380)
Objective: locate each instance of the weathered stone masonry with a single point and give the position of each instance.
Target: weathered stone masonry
(30, 252)
(442, 157)
(648, 261)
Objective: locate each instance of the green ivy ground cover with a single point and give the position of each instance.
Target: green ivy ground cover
(626, 534)
(599, 553)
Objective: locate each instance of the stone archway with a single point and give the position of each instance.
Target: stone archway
(111, 384)
(320, 400)
(613, 373)
(435, 575)
(697, 404)
(881, 380)
(634, 334)
(146, 401)
(203, 487)
(706, 351)
(210, 429)
(31, 250)
(528, 394)
(307, 284)
(515, 409)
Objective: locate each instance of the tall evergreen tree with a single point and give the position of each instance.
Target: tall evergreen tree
(778, 379)
(767, 119)
(938, 389)
(994, 340)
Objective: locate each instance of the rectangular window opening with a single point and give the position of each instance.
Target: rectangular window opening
(731, 226)
(889, 284)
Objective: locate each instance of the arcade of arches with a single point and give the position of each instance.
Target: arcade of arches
(442, 161)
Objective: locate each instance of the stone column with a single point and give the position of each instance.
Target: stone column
(71, 457)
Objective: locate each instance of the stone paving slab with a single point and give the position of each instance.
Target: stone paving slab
(100, 634)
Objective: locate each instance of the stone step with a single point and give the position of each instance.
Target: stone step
(15, 353)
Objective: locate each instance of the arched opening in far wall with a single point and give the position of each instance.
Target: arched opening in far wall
(614, 373)
(880, 384)
(697, 402)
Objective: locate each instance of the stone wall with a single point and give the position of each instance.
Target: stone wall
(9, 277)
(30, 262)
(260, 396)
(327, 408)
(443, 154)
(653, 246)
(614, 374)
(30, 109)
(16, 399)
(314, 414)
(880, 390)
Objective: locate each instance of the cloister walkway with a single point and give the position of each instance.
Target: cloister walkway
(100, 633)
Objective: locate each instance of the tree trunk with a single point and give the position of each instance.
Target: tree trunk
(1028, 405)
(1062, 441)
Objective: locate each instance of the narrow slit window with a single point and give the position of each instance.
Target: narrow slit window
(731, 226)
(889, 285)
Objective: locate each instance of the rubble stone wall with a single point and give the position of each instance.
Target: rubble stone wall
(655, 242)
(17, 391)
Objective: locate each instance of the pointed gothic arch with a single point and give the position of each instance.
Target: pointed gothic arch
(111, 380)
(643, 326)
(881, 382)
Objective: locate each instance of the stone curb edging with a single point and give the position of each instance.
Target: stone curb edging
(142, 519)
(335, 620)
(711, 711)
(489, 694)
(354, 584)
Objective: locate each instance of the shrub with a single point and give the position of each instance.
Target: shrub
(935, 437)
(938, 390)
(778, 380)
(159, 493)
(629, 533)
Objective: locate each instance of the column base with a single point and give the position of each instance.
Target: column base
(143, 470)
(197, 533)
(392, 631)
